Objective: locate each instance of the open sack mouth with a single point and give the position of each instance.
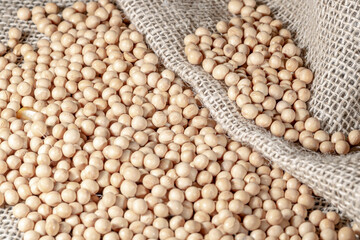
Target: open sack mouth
(207, 137)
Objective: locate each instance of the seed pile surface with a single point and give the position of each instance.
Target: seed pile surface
(261, 66)
(99, 142)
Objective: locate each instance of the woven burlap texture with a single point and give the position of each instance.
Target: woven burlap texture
(329, 33)
(320, 27)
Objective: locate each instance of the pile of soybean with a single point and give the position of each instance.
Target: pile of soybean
(265, 75)
(98, 141)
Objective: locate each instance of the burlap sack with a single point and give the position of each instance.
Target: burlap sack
(328, 31)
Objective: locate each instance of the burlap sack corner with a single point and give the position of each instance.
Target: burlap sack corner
(328, 30)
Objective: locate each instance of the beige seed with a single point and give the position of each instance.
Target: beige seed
(51, 8)
(310, 143)
(235, 6)
(14, 33)
(321, 136)
(333, 216)
(102, 226)
(15, 142)
(346, 233)
(337, 136)
(306, 227)
(251, 222)
(354, 137)
(291, 135)
(306, 76)
(23, 13)
(288, 116)
(52, 227)
(328, 234)
(255, 58)
(249, 111)
(220, 72)
(312, 124)
(263, 120)
(11, 197)
(274, 217)
(195, 57)
(276, 91)
(277, 128)
(231, 225)
(208, 65)
(327, 147)
(342, 147)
